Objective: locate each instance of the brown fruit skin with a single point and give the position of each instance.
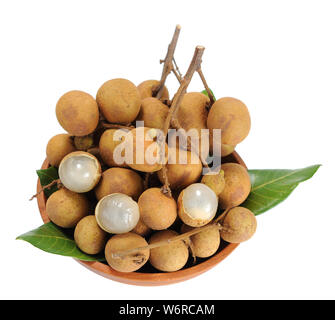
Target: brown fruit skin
(78, 113)
(58, 147)
(119, 180)
(215, 181)
(226, 149)
(157, 210)
(119, 101)
(83, 143)
(181, 175)
(238, 225)
(204, 243)
(107, 146)
(192, 113)
(237, 185)
(170, 257)
(153, 112)
(66, 208)
(145, 89)
(141, 228)
(153, 145)
(126, 241)
(89, 237)
(232, 117)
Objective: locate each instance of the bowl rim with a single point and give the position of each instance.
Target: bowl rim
(139, 278)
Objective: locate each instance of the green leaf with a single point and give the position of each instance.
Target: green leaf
(206, 93)
(53, 239)
(46, 177)
(270, 187)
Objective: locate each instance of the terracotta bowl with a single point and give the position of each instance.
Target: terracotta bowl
(149, 276)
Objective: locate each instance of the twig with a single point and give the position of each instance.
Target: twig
(168, 65)
(107, 125)
(194, 66)
(222, 215)
(48, 186)
(176, 67)
(166, 187)
(183, 236)
(209, 91)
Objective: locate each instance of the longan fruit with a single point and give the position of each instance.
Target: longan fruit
(232, 117)
(150, 150)
(238, 225)
(66, 208)
(153, 112)
(157, 210)
(83, 143)
(109, 140)
(122, 242)
(119, 180)
(170, 257)
(237, 185)
(146, 88)
(204, 243)
(58, 147)
(226, 149)
(119, 101)
(78, 113)
(215, 181)
(192, 113)
(179, 174)
(141, 228)
(89, 237)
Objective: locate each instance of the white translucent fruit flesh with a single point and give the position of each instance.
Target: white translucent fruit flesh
(117, 213)
(200, 202)
(79, 172)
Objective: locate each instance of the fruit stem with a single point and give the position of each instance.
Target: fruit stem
(122, 254)
(48, 186)
(209, 91)
(222, 215)
(168, 64)
(194, 66)
(115, 126)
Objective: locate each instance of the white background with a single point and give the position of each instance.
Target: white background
(276, 56)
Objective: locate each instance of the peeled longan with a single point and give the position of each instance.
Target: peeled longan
(89, 237)
(153, 112)
(237, 185)
(66, 208)
(170, 257)
(141, 228)
(58, 147)
(78, 113)
(232, 117)
(215, 181)
(181, 173)
(119, 180)
(109, 140)
(146, 88)
(204, 243)
(157, 210)
(238, 225)
(147, 155)
(122, 242)
(119, 101)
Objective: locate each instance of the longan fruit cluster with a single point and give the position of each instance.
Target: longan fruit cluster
(138, 212)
